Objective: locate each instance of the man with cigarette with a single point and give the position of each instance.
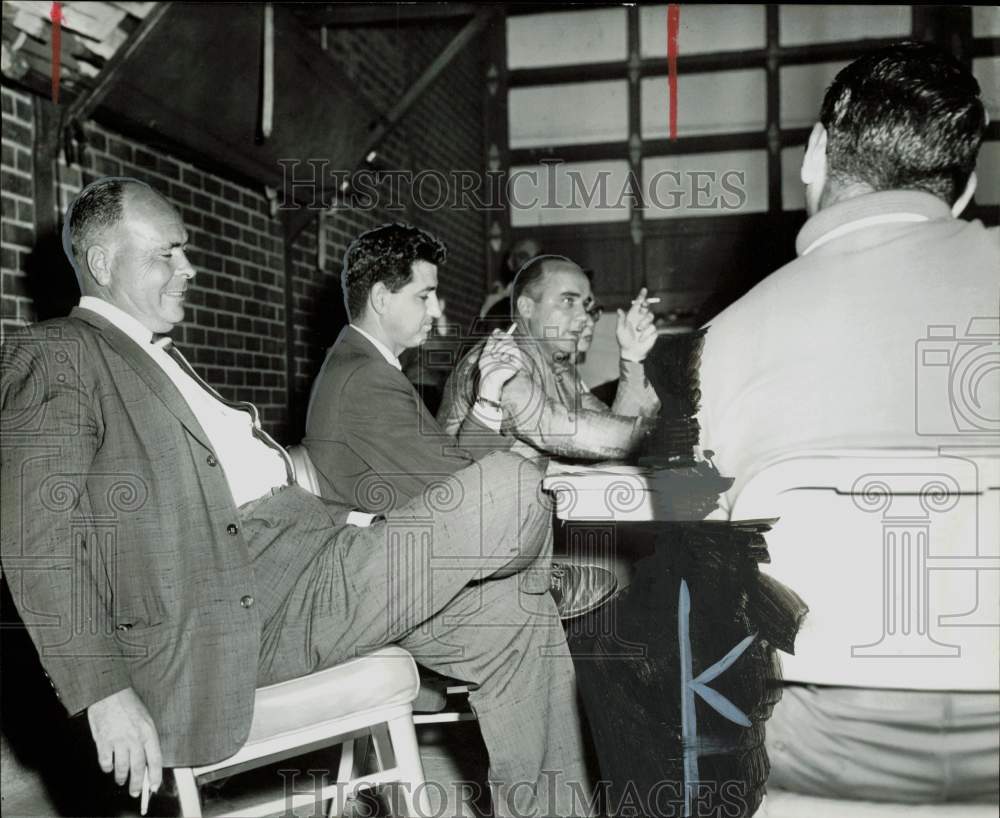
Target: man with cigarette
(368, 433)
(166, 564)
(546, 407)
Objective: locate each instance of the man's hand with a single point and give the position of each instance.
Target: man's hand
(499, 362)
(636, 333)
(126, 740)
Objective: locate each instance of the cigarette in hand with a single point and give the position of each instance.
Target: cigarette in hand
(144, 800)
(654, 300)
(512, 328)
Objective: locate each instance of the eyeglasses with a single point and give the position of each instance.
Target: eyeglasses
(595, 311)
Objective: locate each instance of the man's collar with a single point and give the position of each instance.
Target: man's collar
(559, 362)
(390, 359)
(121, 319)
(867, 206)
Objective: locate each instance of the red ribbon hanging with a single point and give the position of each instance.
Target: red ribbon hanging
(673, 24)
(55, 15)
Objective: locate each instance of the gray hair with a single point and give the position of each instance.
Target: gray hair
(97, 208)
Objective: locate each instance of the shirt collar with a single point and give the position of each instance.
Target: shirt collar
(867, 206)
(558, 363)
(135, 330)
(390, 359)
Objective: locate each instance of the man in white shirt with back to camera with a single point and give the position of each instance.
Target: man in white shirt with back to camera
(820, 356)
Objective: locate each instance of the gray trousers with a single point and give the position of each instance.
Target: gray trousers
(910, 746)
(459, 577)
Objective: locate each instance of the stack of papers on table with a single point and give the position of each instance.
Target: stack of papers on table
(617, 492)
(604, 491)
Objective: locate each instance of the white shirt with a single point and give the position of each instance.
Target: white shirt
(824, 354)
(384, 351)
(252, 468)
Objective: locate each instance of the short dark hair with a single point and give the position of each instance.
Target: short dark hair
(385, 254)
(97, 207)
(529, 278)
(906, 117)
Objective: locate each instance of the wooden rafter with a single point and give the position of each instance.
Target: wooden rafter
(297, 220)
(86, 102)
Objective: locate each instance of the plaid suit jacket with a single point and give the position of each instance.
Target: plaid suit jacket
(121, 544)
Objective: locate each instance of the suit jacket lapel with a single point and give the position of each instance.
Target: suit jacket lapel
(357, 342)
(146, 368)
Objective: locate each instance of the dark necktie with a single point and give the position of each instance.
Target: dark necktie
(168, 346)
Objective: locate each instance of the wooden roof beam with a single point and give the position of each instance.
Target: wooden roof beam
(87, 101)
(298, 219)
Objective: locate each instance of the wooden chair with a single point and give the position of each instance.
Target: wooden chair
(368, 696)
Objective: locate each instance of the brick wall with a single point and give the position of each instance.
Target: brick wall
(235, 328)
(234, 332)
(16, 194)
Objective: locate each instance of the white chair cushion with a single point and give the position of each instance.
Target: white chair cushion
(383, 679)
(305, 472)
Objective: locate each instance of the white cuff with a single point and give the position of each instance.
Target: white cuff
(489, 416)
(362, 519)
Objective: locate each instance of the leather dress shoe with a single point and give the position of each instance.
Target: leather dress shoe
(580, 589)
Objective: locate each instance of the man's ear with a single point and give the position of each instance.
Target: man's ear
(98, 264)
(963, 201)
(814, 162)
(525, 306)
(377, 297)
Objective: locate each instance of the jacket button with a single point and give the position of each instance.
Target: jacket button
(232, 530)
(211, 460)
(247, 601)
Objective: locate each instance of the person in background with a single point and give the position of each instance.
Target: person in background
(497, 303)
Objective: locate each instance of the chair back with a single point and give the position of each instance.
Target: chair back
(897, 555)
(305, 472)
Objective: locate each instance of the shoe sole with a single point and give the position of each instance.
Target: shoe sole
(592, 607)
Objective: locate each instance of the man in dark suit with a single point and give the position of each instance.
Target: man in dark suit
(368, 433)
(165, 564)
